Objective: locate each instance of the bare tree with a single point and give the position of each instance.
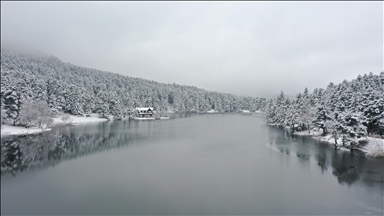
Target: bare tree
(28, 113)
(35, 113)
(44, 117)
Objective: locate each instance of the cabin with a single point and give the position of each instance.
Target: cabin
(144, 111)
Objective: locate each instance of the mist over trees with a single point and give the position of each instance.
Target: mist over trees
(350, 110)
(80, 91)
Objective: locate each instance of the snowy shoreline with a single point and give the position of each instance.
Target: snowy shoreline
(374, 147)
(8, 130)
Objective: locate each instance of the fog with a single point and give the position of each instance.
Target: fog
(243, 48)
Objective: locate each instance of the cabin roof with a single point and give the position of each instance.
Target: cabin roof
(143, 108)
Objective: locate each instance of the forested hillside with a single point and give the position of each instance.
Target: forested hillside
(350, 110)
(78, 90)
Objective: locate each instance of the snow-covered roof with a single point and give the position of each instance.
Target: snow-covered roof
(144, 108)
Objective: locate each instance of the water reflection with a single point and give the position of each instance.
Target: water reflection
(302, 157)
(21, 152)
(209, 164)
(322, 161)
(347, 167)
(48, 149)
(342, 169)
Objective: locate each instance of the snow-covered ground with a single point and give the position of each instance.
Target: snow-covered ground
(78, 120)
(19, 130)
(374, 147)
(212, 111)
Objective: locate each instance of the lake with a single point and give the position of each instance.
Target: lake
(192, 164)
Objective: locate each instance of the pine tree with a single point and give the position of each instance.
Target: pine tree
(350, 125)
(373, 109)
(322, 115)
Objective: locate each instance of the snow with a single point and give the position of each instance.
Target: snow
(374, 147)
(316, 134)
(258, 111)
(79, 119)
(143, 108)
(212, 111)
(20, 130)
(143, 118)
(150, 118)
(313, 132)
(17, 130)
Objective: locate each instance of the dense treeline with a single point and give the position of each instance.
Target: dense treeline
(348, 111)
(78, 90)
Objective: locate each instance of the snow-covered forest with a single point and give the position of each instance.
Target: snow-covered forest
(30, 84)
(68, 88)
(348, 111)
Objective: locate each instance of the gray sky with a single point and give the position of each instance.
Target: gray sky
(243, 48)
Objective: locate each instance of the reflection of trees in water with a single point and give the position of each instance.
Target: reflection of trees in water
(286, 151)
(303, 157)
(344, 172)
(347, 167)
(280, 136)
(285, 138)
(22, 152)
(19, 152)
(11, 156)
(322, 161)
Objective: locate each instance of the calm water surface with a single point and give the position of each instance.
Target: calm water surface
(197, 164)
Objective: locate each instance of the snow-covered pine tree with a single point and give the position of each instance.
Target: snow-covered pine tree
(351, 127)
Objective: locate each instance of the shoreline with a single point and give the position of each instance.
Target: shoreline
(10, 130)
(374, 147)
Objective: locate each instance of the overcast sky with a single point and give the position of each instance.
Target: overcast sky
(243, 48)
